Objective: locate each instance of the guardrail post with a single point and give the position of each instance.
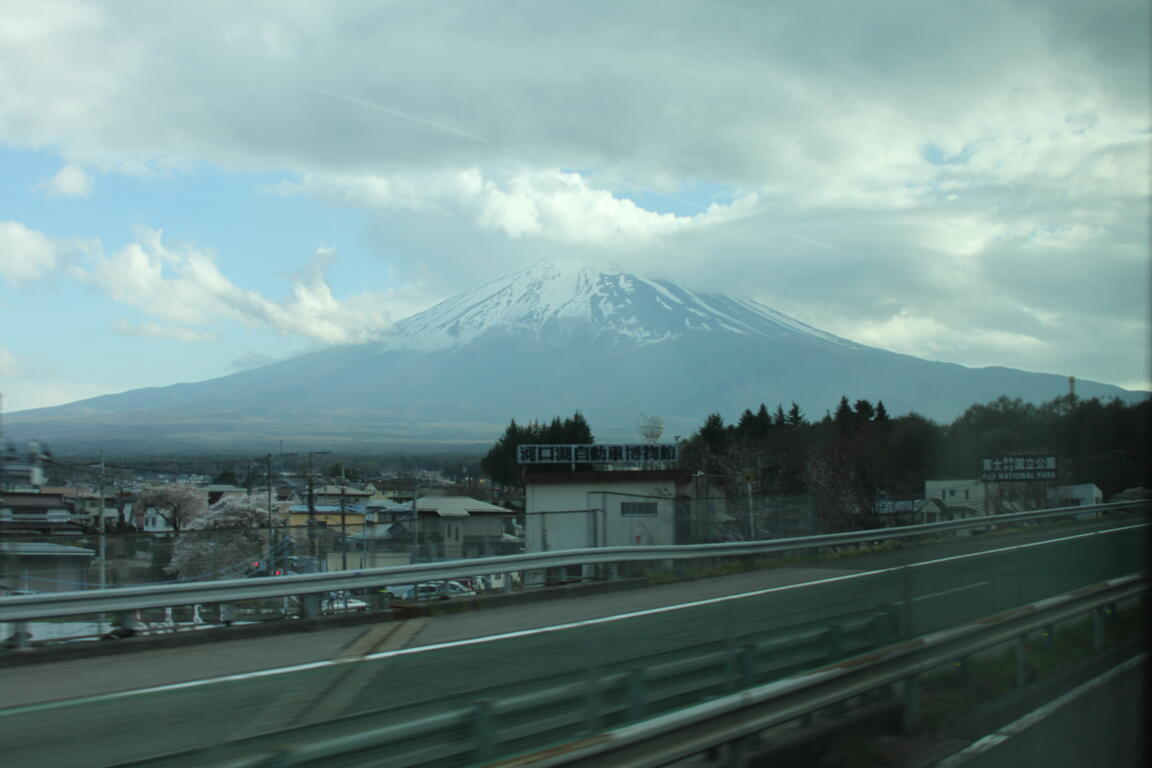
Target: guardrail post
(309, 606)
(911, 702)
(592, 715)
(963, 668)
(592, 706)
(834, 641)
(734, 752)
(882, 621)
(1018, 563)
(614, 571)
(746, 656)
(227, 614)
(21, 639)
(906, 608)
(637, 694)
(483, 731)
(1098, 629)
(1022, 670)
(125, 624)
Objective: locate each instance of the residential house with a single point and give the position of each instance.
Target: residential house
(969, 496)
(452, 527)
(349, 518)
(335, 495)
(39, 513)
(40, 566)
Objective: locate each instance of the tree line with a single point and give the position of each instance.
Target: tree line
(858, 454)
(499, 463)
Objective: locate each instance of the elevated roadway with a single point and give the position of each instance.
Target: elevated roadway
(129, 706)
(47, 680)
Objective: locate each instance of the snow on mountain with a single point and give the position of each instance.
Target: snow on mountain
(553, 302)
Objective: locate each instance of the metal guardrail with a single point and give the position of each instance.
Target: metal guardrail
(48, 605)
(692, 730)
(570, 687)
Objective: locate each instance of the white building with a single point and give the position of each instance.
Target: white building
(1080, 495)
(958, 493)
(22, 470)
(573, 510)
(577, 510)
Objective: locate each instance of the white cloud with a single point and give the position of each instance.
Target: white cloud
(927, 337)
(9, 365)
(186, 290)
(42, 392)
(26, 255)
(159, 331)
(69, 181)
(525, 203)
(251, 360)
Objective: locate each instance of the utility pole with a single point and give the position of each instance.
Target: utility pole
(312, 521)
(268, 482)
(415, 524)
(269, 566)
(751, 516)
(101, 537)
(343, 534)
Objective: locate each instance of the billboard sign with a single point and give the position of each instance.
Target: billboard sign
(1008, 469)
(609, 453)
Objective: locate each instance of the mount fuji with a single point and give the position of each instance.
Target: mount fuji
(541, 342)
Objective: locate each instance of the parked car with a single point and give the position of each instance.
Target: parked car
(433, 590)
(342, 601)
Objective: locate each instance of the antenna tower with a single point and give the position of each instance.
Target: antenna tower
(651, 427)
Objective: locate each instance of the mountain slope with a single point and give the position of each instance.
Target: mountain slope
(537, 343)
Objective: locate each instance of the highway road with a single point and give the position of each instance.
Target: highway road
(37, 700)
(63, 680)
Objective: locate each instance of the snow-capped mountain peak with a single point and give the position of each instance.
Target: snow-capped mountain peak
(556, 302)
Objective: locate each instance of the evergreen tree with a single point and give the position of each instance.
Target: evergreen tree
(500, 461)
(577, 431)
(778, 420)
(844, 418)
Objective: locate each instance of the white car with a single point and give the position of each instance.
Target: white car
(342, 602)
(433, 590)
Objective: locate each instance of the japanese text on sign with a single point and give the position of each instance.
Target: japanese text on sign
(595, 454)
(1011, 468)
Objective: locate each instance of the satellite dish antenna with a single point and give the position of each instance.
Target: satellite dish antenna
(651, 427)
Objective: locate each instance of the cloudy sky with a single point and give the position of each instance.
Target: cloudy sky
(189, 189)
